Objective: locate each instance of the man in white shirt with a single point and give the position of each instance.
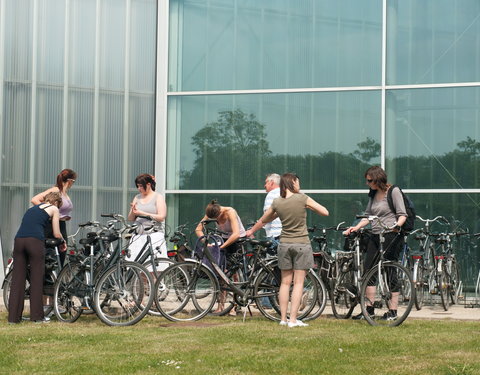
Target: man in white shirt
(272, 187)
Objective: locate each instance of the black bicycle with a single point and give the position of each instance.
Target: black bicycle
(189, 290)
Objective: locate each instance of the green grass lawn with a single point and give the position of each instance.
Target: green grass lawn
(226, 345)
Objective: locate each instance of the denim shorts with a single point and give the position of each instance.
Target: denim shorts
(295, 256)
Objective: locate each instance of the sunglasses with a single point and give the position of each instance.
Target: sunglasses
(71, 179)
(369, 181)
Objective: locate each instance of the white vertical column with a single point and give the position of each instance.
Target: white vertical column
(383, 103)
(2, 58)
(33, 104)
(126, 107)
(161, 94)
(96, 104)
(65, 127)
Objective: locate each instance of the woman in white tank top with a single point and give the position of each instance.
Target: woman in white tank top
(147, 203)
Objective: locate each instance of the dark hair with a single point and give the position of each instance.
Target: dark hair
(213, 209)
(64, 176)
(287, 181)
(54, 198)
(144, 179)
(379, 177)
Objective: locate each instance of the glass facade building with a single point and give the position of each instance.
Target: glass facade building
(211, 95)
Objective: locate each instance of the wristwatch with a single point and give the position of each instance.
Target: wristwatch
(397, 227)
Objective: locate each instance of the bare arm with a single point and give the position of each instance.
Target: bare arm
(317, 207)
(267, 217)
(199, 228)
(133, 206)
(232, 216)
(37, 199)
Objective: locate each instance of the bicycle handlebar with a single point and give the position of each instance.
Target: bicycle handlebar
(438, 218)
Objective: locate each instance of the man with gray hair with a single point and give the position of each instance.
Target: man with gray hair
(272, 187)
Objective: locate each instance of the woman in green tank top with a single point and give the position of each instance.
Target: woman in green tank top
(295, 255)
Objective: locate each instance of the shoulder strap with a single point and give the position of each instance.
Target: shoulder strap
(390, 198)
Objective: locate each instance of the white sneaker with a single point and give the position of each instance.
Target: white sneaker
(298, 323)
(283, 323)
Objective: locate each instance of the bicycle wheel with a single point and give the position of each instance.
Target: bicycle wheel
(455, 282)
(384, 289)
(226, 297)
(186, 291)
(123, 294)
(343, 296)
(50, 279)
(7, 284)
(69, 291)
(160, 265)
(420, 284)
(443, 283)
(321, 303)
(266, 287)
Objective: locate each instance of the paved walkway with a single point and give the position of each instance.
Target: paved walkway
(455, 312)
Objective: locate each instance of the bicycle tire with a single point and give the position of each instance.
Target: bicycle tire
(69, 290)
(186, 291)
(49, 282)
(228, 303)
(455, 282)
(391, 280)
(443, 282)
(267, 284)
(123, 294)
(420, 284)
(161, 264)
(341, 299)
(322, 294)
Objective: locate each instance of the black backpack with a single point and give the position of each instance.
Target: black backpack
(409, 207)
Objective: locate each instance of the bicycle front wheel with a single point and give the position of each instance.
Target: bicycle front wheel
(267, 286)
(343, 295)
(455, 282)
(186, 291)
(387, 290)
(420, 284)
(444, 287)
(69, 291)
(123, 294)
(155, 269)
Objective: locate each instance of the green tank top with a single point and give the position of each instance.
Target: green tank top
(293, 215)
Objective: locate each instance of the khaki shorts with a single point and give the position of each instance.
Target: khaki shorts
(295, 256)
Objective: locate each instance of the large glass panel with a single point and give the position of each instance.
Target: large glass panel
(51, 36)
(91, 123)
(457, 208)
(81, 45)
(433, 41)
(262, 44)
(18, 40)
(433, 138)
(233, 141)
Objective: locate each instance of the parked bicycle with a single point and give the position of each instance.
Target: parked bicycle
(189, 290)
(386, 286)
(101, 280)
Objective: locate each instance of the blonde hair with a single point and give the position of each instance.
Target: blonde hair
(54, 198)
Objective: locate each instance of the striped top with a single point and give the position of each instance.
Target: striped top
(274, 228)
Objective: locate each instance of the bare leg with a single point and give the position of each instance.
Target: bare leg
(297, 293)
(284, 293)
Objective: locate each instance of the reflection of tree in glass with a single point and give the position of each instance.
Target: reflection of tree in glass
(470, 146)
(233, 130)
(230, 153)
(368, 150)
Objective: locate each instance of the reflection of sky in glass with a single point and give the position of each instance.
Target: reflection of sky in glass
(296, 124)
(425, 122)
(275, 44)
